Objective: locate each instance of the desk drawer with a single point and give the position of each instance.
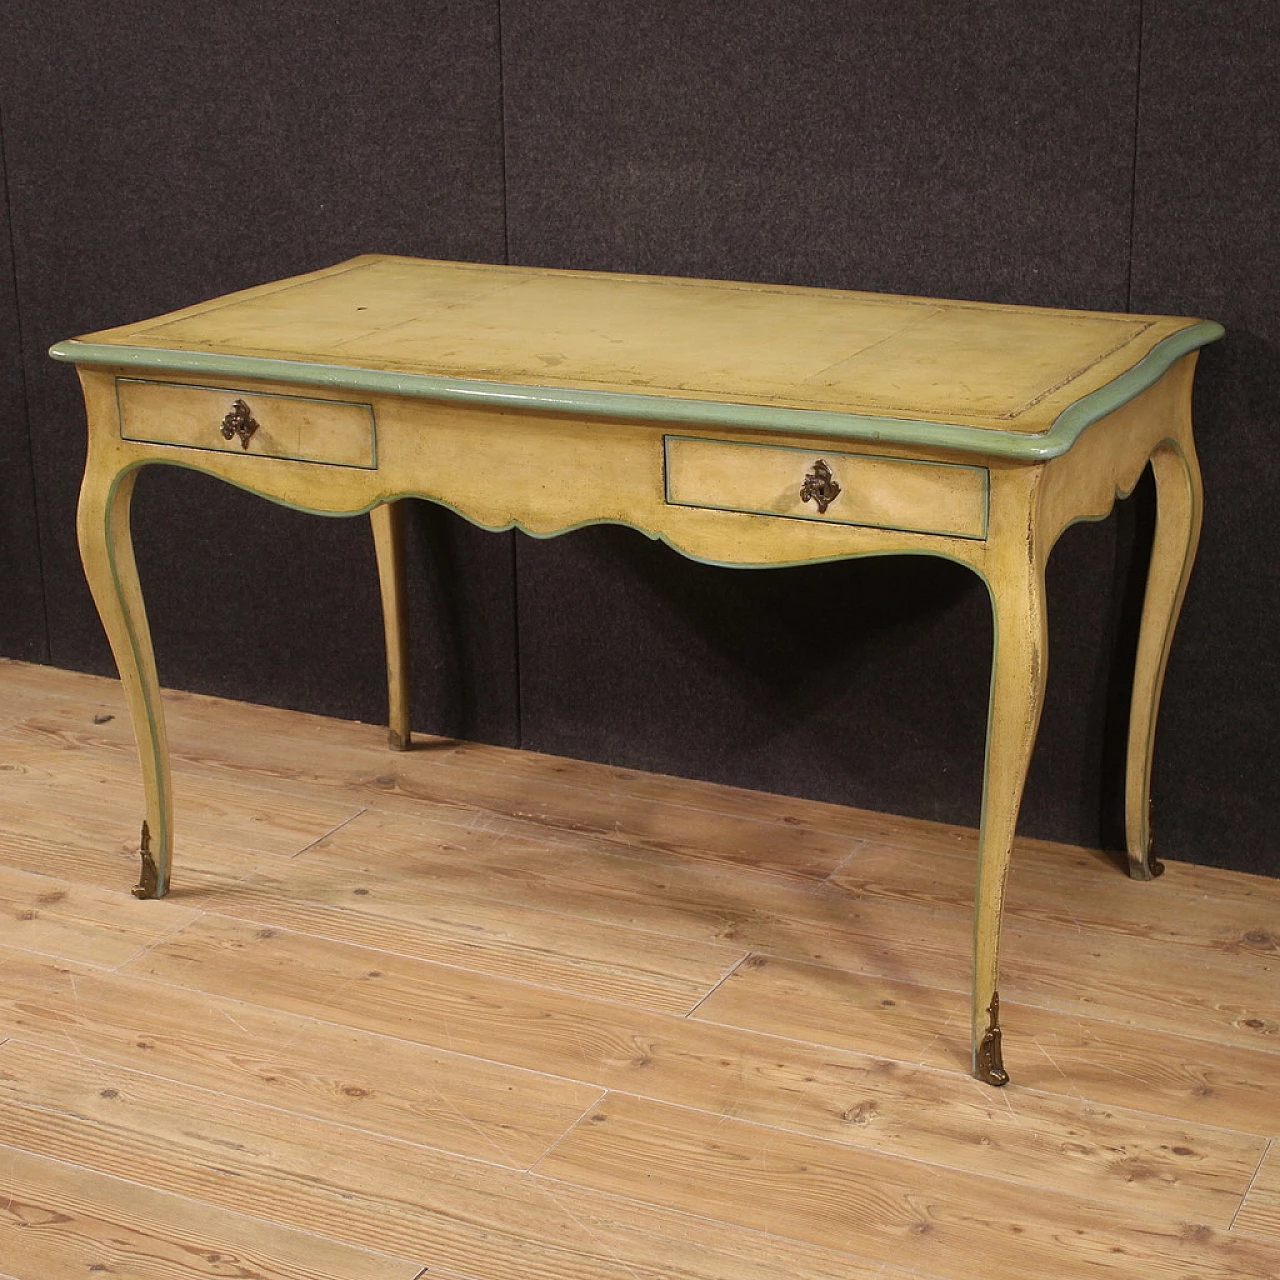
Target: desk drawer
(883, 493)
(336, 432)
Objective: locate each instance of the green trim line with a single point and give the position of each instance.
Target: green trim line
(1017, 446)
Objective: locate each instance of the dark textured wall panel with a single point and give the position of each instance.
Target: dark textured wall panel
(977, 150)
(158, 154)
(22, 630)
(1207, 239)
(980, 151)
(162, 153)
(746, 675)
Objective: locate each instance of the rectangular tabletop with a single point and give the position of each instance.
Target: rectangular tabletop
(871, 366)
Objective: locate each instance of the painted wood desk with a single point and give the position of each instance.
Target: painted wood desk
(744, 425)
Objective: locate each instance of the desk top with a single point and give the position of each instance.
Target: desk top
(1004, 380)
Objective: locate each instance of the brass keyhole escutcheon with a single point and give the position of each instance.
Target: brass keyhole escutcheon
(239, 422)
(820, 486)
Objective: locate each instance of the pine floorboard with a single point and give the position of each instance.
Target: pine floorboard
(466, 1013)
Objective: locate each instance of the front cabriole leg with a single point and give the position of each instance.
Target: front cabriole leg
(1016, 581)
(106, 550)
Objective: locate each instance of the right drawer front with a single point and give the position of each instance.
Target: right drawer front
(883, 493)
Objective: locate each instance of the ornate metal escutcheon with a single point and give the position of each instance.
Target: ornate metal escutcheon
(239, 422)
(990, 1063)
(820, 486)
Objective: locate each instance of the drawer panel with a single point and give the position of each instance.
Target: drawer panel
(883, 493)
(336, 432)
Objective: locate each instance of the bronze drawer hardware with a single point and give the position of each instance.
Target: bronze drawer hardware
(239, 422)
(820, 486)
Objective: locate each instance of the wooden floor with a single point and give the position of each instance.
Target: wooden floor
(472, 1014)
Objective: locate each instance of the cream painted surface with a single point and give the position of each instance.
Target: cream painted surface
(498, 470)
(969, 363)
(545, 472)
(886, 493)
(289, 426)
(491, 467)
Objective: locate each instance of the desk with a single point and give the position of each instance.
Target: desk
(745, 425)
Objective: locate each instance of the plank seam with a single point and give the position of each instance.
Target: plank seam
(1244, 1199)
(723, 979)
(145, 947)
(858, 847)
(344, 823)
(595, 1102)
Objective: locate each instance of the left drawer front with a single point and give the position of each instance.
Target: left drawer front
(336, 432)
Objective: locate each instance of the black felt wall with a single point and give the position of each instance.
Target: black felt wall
(1080, 153)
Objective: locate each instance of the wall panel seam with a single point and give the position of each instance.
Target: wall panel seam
(1137, 143)
(506, 258)
(502, 132)
(24, 398)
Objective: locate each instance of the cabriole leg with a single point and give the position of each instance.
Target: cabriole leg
(388, 545)
(1017, 694)
(1179, 502)
(106, 550)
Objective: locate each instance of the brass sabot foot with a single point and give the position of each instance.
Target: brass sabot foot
(148, 885)
(1145, 868)
(990, 1064)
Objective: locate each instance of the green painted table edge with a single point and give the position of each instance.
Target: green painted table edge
(906, 432)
